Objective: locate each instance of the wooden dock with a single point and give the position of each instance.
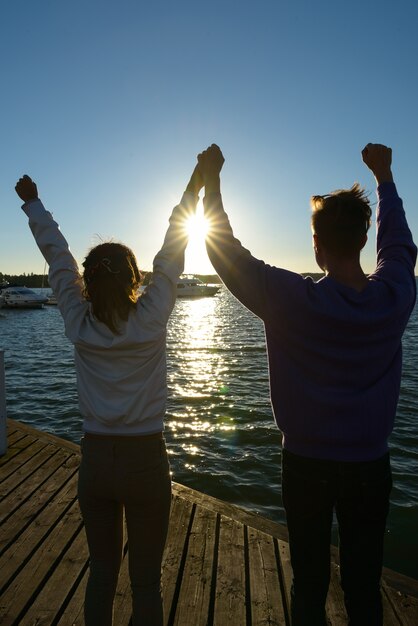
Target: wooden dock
(222, 566)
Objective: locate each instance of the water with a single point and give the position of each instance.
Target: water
(220, 432)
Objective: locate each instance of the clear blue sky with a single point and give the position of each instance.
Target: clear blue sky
(106, 104)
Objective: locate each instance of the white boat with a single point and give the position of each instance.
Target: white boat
(191, 287)
(52, 301)
(15, 297)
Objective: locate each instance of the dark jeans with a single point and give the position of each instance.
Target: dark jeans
(359, 493)
(131, 474)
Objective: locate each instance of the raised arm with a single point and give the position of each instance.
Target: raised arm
(378, 159)
(160, 295)
(64, 276)
(396, 251)
(245, 276)
(26, 189)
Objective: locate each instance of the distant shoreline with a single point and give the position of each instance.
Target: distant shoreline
(41, 280)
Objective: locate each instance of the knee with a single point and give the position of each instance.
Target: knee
(104, 574)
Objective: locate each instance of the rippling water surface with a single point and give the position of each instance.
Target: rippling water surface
(219, 428)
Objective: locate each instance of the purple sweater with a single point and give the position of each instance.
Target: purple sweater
(335, 355)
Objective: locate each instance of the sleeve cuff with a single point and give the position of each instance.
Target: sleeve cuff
(386, 189)
(30, 203)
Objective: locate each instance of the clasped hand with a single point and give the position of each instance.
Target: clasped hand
(26, 189)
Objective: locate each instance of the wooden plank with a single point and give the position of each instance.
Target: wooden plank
(30, 580)
(34, 506)
(193, 601)
(286, 571)
(26, 470)
(180, 517)
(13, 452)
(24, 490)
(247, 518)
(217, 560)
(122, 609)
(267, 607)
(390, 617)
(335, 607)
(73, 614)
(179, 524)
(404, 607)
(46, 436)
(13, 436)
(405, 584)
(230, 595)
(56, 590)
(18, 457)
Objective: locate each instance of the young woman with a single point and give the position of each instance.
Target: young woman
(120, 357)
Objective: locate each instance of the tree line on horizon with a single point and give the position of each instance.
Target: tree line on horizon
(41, 280)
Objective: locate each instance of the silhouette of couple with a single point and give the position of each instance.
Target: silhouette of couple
(334, 351)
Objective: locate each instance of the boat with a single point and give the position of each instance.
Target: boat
(189, 286)
(51, 298)
(16, 297)
(52, 301)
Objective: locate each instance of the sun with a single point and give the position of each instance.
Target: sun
(197, 261)
(197, 226)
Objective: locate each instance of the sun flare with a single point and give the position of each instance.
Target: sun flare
(197, 227)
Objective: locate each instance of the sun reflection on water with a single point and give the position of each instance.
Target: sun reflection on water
(198, 384)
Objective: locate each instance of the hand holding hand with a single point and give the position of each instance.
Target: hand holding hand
(210, 162)
(196, 181)
(378, 159)
(26, 189)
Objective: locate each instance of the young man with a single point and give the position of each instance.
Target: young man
(334, 351)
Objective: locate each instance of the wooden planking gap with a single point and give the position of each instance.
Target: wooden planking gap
(230, 596)
(335, 607)
(194, 597)
(181, 519)
(286, 572)
(233, 511)
(405, 607)
(20, 551)
(27, 469)
(73, 614)
(43, 512)
(13, 437)
(390, 614)
(24, 491)
(34, 506)
(265, 592)
(123, 597)
(20, 457)
(56, 591)
(30, 580)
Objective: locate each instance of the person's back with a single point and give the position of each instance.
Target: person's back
(334, 354)
(120, 357)
(334, 350)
